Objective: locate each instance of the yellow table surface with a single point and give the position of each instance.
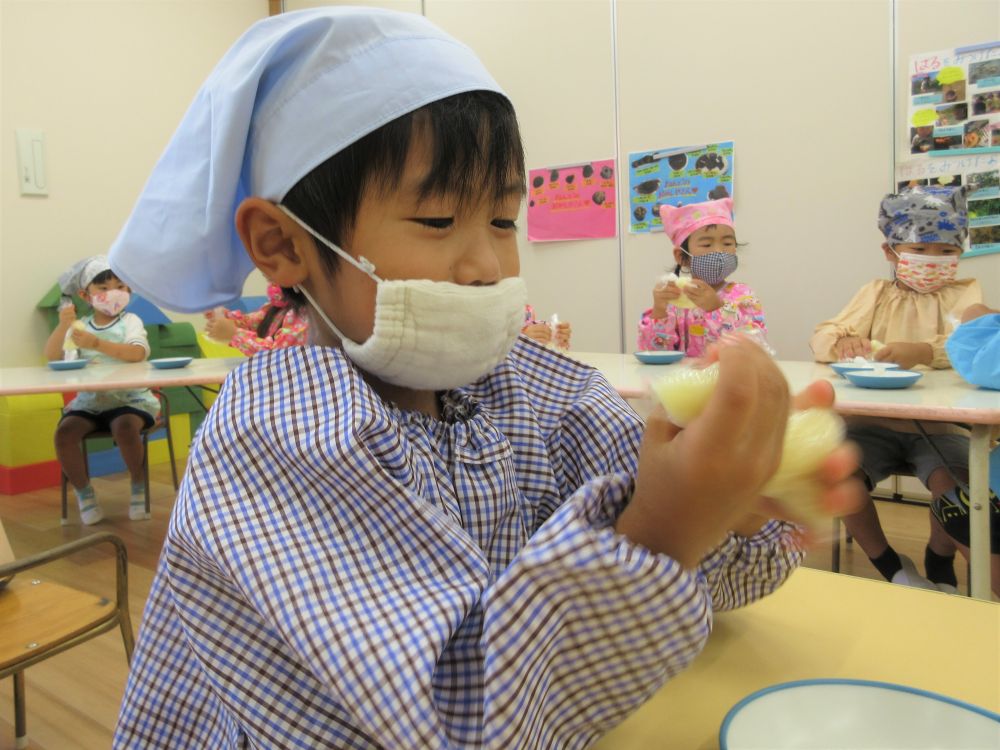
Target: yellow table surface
(824, 625)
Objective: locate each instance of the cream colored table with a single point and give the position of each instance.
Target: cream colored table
(941, 396)
(824, 625)
(15, 381)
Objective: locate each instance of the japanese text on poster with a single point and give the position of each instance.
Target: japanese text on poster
(954, 133)
(677, 177)
(572, 202)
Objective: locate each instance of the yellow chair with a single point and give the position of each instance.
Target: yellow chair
(39, 618)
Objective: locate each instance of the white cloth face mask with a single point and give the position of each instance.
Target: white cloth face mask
(431, 335)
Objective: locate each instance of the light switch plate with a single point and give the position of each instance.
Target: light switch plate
(31, 171)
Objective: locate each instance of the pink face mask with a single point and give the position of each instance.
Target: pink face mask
(926, 273)
(110, 302)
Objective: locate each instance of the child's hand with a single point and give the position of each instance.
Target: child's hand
(850, 347)
(219, 328)
(695, 485)
(540, 332)
(664, 295)
(905, 355)
(67, 314)
(84, 338)
(703, 295)
(562, 335)
(976, 311)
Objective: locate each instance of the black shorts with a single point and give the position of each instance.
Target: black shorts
(103, 419)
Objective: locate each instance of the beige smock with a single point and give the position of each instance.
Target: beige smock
(884, 311)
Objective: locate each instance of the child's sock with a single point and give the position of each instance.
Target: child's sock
(888, 563)
(137, 502)
(940, 569)
(90, 510)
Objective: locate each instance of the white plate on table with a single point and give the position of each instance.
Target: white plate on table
(68, 364)
(169, 363)
(883, 378)
(659, 358)
(855, 715)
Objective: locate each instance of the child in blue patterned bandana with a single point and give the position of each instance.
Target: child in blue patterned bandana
(401, 535)
(924, 229)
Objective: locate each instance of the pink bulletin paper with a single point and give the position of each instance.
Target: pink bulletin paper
(575, 202)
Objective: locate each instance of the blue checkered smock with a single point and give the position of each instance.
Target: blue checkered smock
(341, 574)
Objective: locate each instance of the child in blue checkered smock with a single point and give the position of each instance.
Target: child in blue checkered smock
(423, 530)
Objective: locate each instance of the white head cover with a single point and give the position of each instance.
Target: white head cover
(82, 273)
(293, 91)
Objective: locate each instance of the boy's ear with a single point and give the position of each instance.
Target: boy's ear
(889, 254)
(679, 256)
(274, 242)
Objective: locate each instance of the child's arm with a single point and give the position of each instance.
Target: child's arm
(54, 344)
(659, 333)
(293, 332)
(739, 311)
(135, 348)
(850, 330)
(974, 348)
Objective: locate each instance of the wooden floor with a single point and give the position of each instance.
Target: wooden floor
(73, 698)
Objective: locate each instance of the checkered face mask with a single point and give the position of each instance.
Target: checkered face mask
(713, 268)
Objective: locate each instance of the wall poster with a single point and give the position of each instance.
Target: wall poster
(676, 176)
(575, 202)
(954, 133)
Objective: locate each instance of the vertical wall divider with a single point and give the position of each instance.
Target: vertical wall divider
(620, 189)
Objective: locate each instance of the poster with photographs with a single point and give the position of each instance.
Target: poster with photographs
(981, 173)
(676, 176)
(575, 202)
(954, 101)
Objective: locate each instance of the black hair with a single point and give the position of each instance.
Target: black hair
(103, 277)
(269, 317)
(477, 152)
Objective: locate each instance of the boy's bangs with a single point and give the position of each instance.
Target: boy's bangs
(476, 150)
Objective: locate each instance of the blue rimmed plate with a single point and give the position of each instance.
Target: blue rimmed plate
(169, 363)
(68, 364)
(659, 358)
(854, 714)
(842, 368)
(884, 378)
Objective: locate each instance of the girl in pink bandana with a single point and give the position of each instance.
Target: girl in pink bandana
(273, 326)
(704, 242)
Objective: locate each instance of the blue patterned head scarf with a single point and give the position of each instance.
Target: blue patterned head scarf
(925, 214)
(293, 91)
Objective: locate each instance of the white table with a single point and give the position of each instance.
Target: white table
(17, 381)
(940, 396)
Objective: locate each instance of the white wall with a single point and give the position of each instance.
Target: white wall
(107, 81)
(775, 77)
(778, 76)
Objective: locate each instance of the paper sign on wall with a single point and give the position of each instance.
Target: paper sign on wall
(953, 131)
(677, 177)
(575, 202)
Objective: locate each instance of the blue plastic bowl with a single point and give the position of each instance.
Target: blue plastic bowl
(68, 364)
(886, 379)
(170, 362)
(659, 358)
